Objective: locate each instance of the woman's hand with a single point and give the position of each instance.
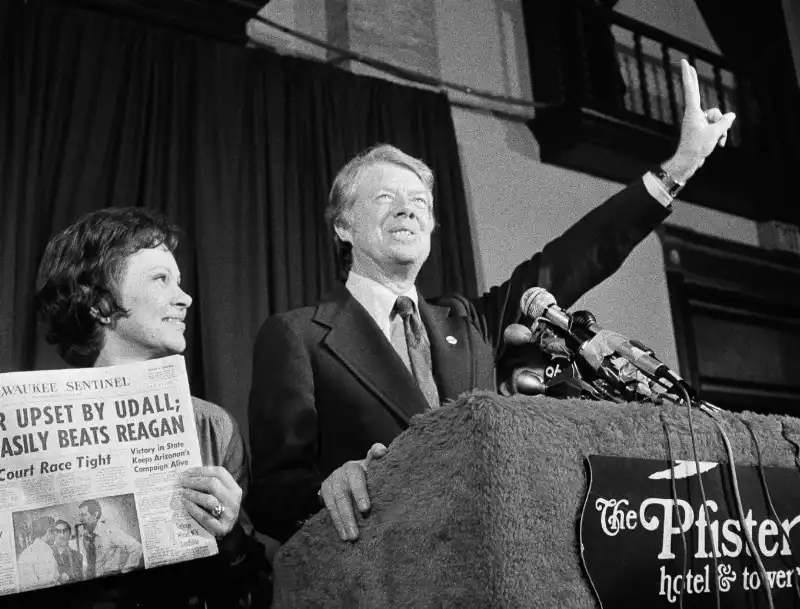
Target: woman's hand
(212, 497)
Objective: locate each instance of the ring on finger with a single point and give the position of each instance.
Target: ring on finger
(217, 511)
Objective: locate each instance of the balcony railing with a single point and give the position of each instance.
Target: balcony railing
(650, 69)
(654, 86)
(610, 97)
(588, 56)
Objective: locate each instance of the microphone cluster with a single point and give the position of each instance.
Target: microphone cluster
(596, 362)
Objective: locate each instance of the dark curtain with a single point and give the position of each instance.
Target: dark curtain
(238, 146)
(573, 53)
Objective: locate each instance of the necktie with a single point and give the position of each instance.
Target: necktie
(91, 554)
(419, 350)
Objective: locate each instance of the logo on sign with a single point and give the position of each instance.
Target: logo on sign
(667, 546)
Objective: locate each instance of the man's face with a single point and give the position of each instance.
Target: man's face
(391, 220)
(62, 535)
(86, 518)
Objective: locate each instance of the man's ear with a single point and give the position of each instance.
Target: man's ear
(344, 234)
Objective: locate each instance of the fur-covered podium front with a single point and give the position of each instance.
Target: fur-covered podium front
(477, 504)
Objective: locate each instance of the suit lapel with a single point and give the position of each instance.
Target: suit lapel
(450, 352)
(357, 341)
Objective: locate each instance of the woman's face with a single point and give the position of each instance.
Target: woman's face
(149, 289)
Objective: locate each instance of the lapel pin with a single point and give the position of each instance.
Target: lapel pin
(451, 339)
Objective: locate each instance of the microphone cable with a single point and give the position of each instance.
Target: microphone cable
(737, 496)
(544, 300)
(711, 411)
(772, 509)
(677, 506)
(703, 495)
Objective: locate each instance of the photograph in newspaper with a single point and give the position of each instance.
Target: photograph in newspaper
(77, 541)
(89, 467)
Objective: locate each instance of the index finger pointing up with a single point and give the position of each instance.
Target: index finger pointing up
(691, 87)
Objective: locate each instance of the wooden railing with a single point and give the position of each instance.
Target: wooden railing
(651, 73)
(579, 50)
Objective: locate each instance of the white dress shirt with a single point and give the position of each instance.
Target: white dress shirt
(37, 566)
(656, 189)
(377, 299)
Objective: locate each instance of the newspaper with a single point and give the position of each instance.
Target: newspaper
(89, 462)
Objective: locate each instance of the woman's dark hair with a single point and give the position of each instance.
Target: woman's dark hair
(80, 270)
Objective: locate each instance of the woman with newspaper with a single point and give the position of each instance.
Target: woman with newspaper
(109, 293)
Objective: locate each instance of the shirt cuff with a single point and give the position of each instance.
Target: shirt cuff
(657, 190)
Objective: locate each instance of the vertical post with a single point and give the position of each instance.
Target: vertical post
(666, 62)
(745, 116)
(627, 62)
(720, 89)
(637, 44)
(584, 69)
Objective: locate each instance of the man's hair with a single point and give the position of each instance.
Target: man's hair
(65, 523)
(41, 525)
(80, 271)
(343, 192)
(92, 506)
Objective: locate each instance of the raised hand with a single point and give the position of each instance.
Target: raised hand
(701, 131)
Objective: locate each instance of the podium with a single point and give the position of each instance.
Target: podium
(477, 504)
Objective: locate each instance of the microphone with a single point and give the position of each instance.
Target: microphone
(517, 334)
(606, 342)
(584, 324)
(538, 302)
(536, 379)
(640, 345)
(523, 381)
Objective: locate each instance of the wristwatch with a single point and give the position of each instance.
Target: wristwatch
(671, 185)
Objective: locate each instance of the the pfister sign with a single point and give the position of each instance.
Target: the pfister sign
(644, 546)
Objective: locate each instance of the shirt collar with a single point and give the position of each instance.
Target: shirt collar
(376, 298)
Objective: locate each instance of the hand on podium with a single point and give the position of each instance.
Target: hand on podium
(346, 486)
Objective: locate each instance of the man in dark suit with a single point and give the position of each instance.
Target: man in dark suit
(331, 381)
(70, 562)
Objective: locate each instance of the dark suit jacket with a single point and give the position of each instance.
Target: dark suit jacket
(69, 562)
(327, 384)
